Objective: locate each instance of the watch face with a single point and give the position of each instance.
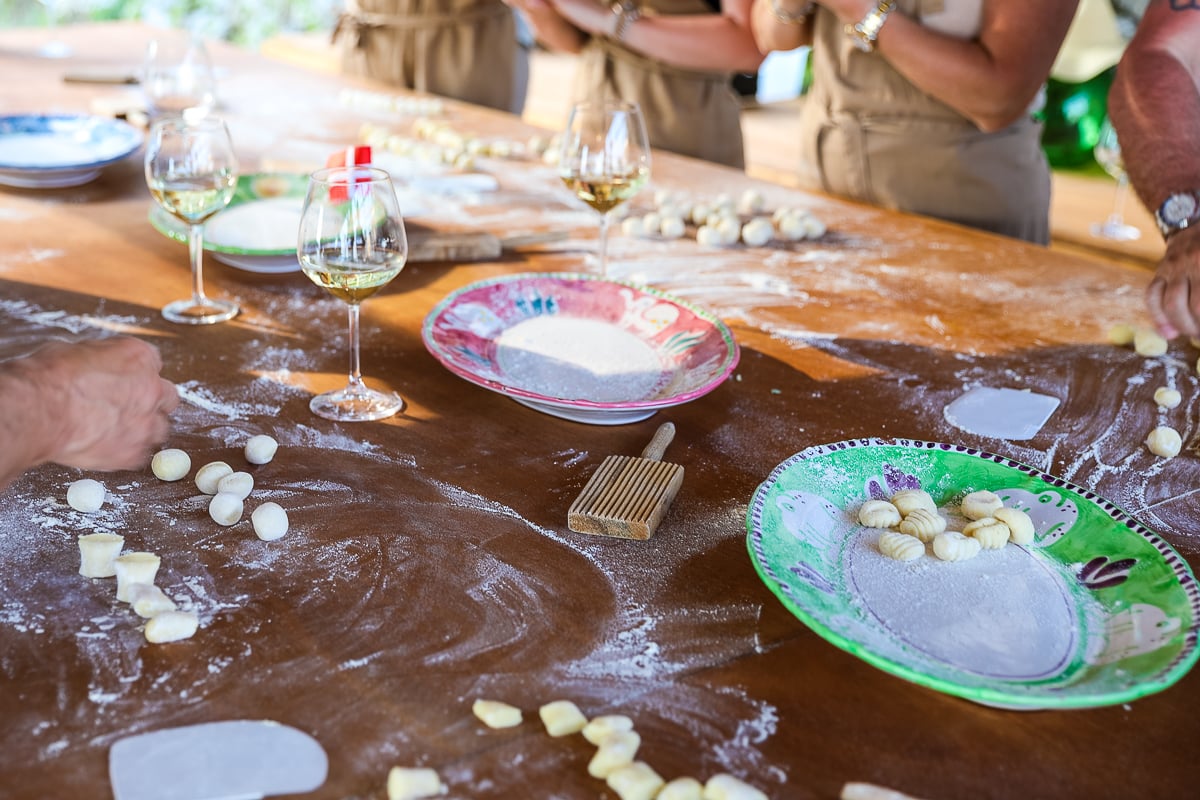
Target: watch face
(1179, 208)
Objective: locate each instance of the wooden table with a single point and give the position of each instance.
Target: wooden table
(429, 562)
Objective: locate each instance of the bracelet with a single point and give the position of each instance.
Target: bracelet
(627, 12)
(793, 17)
(864, 32)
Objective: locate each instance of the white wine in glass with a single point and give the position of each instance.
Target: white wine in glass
(605, 159)
(178, 78)
(352, 243)
(1107, 153)
(191, 170)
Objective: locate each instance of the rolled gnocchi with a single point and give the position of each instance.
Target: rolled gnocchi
(991, 533)
(909, 500)
(953, 546)
(980, 504)
(1020, 526)
(878, 514)
(900, 546)
(923, 524)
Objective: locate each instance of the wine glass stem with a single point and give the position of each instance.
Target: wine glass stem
(1117, 217)
(356, 383)
(602, 247)
(196, 251)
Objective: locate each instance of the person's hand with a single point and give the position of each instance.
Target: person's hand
(1173, 297)
(103, 401)
(529, 6)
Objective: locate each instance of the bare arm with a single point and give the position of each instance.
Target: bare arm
(1155, 107)
(550, 27)
(771, 33)
(991, 79)
(93, 405)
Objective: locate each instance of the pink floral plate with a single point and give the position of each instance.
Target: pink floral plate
(580, 347)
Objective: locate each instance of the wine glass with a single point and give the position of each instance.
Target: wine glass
(177, 78)
(352, 243)
(191, 170)
(605, 158)
(1108, 155)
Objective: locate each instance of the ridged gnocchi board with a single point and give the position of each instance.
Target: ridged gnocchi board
(228, 760)
(628, 497)
(1097, 610)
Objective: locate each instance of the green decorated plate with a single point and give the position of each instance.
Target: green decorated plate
(1096, 611)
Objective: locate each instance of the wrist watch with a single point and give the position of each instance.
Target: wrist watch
(627, 12)
(1180, 210)
(864, 32)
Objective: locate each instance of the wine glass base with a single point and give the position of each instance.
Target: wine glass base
(205, 312)
(1117, 231)
(356, 405)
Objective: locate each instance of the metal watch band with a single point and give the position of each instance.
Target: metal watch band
(1179, 211)
(627, 12)
(864, 32)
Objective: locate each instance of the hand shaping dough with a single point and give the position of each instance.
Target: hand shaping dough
(923, 524)
(86, 495)
(1020, 526)
(134, 568)
(208, 476)
(1164, 441)
(495, 714)
(909, 500)
(412, 783)
(97, 552)
(562, 717)
(172, 626)
(900, 546)
(616, 751)
(978, 505)
(878, 514)
(953, 546)
(636, 781)
(727, 787)
(601, 727)
(171, 464)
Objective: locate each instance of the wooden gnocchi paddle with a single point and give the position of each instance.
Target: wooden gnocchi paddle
(628, 497)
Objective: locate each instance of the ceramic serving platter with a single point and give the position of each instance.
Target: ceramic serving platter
(1096, 611)
(50, 151)
(581, 347)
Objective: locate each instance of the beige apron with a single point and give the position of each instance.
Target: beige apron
(869, 134)
(687, 112)
(465, 49)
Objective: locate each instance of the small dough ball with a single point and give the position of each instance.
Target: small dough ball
(615, 751)
(1121, 334)
(562, 717)
(991, 533)
(1164, 441)
(1149, 343)
(682, 789)
(953, 546)
(97, 551)
(1167, 398)
(260, 449)
(908, 500)
(751, 202)
(923, 524)
(700, 213)
(672, 227)
(1020, 526)
(171, 464)
(603, 726)
(633, 226)
(977, 505)
(495, 714)
(730, 229)
(727, 787)
(878, 514)
(86, 495)
(413, 783)
(758, 232)
(134, 568)
(651, 222)
(900, 546)
(270, 522)
(792, 227)
(208, 476)
(636, 781)
(172, 626)
(239, 483)
(708, 236)
(225, 508)
(814, 228)
(149, 601)
(723, 203)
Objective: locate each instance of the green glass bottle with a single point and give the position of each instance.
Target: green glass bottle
(1072, 117)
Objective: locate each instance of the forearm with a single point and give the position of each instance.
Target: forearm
(26, 423)
(550, 28)
(773, 33)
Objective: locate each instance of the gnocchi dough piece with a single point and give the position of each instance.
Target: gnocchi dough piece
(792, 227)
(412, 783)
(991, 533)
(813, 227)
(923, 524)
(270, 522)
(208, 476)
(700, 213)
(562, 717)
(1167, 398)
(878, 514)
(86, 495)
(900, 546)
(751, 202)
(495, 714)
(260, 449)
(1020, 526)
(730, 229)
(1149, 343)
(225, 508)
(977, 505)
(727, 787)
(633, 226)
(909, 500)
(603, 726)
(709, 236)
(1121, 334)
(615, 751)
(672, 227)
(1164, 441)
(149, 601)
(953, 546)
(682, 789)
(97, 552)
(172, 626)
(869, 791)
(171, 464)
(134, 568)
(636, 781)
(758, 232)
(238, 483)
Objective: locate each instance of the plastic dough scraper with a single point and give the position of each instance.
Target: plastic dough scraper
(230, 760)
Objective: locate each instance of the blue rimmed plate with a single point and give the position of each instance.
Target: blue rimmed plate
(51, 151)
